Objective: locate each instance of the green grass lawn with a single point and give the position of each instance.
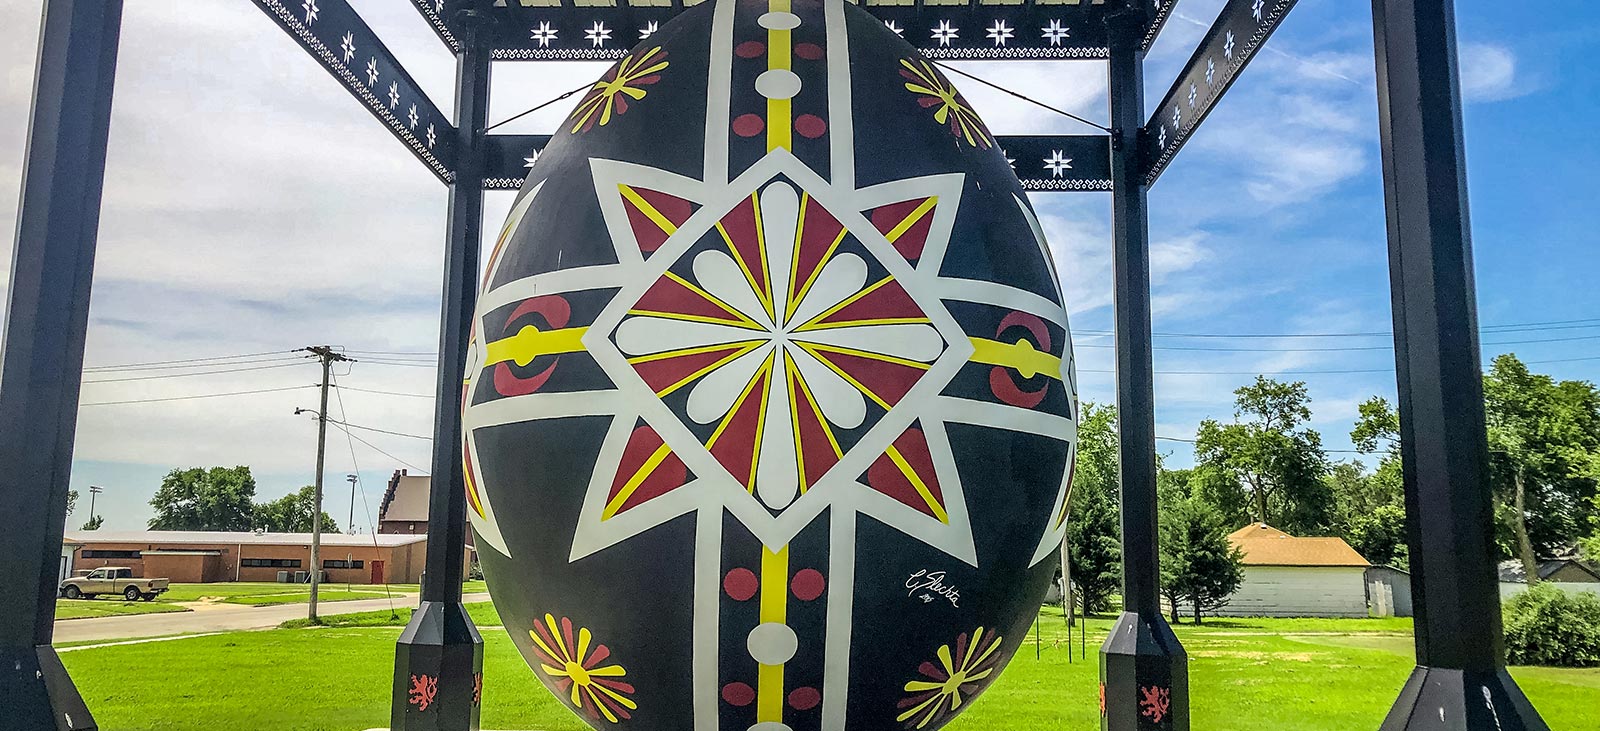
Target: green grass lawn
(1246, 675)
(86, 608)
(230, 591)
(483, 614)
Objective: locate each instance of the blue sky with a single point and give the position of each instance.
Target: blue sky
(252, 206)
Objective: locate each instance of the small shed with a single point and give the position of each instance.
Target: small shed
(1388, 592)
(1288, 576)
(1567, 574)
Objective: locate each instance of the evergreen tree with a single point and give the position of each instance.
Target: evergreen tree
(1199, 566)
(1094, 524)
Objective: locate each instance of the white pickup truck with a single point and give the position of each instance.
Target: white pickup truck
(112, 580)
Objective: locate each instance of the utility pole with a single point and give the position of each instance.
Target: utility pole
(328, 357)
(93, 491)
(351, 524)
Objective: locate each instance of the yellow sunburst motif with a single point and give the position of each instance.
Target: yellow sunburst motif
(611, 93)
(596, 690)
(954, 110)
(955, 680)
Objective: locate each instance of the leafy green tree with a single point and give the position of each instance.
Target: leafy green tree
(1543, 438)
(1267, 465)
(292, 513)
(218, 498)
(1094, 545)
(1200, 567)
(94, 522)
(72, 501)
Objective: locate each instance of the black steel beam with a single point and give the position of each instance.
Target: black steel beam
(1240, 31)
(47, 319)
(1043, 162)
(1460, 681)
(336, 36)
(438, 14)
(971, 30)
(1158, 20)
(1143, 668)
(438, 678)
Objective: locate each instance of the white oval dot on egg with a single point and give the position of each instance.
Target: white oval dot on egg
(778, 84)
(779, 20)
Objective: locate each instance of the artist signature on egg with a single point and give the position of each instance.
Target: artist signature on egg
(926, 585)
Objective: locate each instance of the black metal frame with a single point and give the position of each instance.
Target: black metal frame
(1460, 681)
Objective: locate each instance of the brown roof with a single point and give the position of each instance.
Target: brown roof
(406, 499)
(1264, 545)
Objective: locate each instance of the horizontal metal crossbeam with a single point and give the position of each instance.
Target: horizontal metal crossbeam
(1043, 162)
(337, 37)
(1240, 31)
(536, 30)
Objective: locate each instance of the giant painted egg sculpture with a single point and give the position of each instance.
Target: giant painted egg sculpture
(771, 407)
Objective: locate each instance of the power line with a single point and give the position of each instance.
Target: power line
(200, 373)
(1191, 441)
(377, 449)
(516, 117)
(187, 360)
(1508, 327)
(213, 364)
(1023, 97)
(196, 396)
(385, 393)
(1340, 349)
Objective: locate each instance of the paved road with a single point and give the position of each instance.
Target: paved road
(217, 618)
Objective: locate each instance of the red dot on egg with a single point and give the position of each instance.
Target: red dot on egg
(738, 694)
(808, 584)
(804, 699)
(810, 126)
(808, 51)
(750, 49)
(741, 584)
(748, 125)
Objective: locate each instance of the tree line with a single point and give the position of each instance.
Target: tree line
(223, 499)
(1268, 465)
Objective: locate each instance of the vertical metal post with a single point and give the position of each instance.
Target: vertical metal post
(439, 657)
(47, 317)
(1460, 681)
(1143, 669)
(316, 494)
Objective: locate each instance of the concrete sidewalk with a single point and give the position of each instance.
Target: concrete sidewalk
(219, 619)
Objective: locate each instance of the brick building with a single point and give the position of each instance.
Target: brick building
(209, 556)
(405, 505)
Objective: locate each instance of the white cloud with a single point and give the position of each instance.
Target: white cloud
(1489, 73)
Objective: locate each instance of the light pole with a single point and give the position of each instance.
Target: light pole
(351, 523)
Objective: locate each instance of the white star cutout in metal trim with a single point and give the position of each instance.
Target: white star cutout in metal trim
(1194, 93)
(543, 34)
(649, 29)
(1057, 164)
(598, 34)
(528, 162)
(1211, 72)
(1009, 160)
(394, 94)
(348, 46)
(1055, 32)
(1227, 48)
(1000, 32)
(1256, 9)
(945, 33)
(413, 116)
(1162, 140)
(372, 72)
(431, 137)
(438, 6)
(310, 6)
(891, 25)
(1177, 117)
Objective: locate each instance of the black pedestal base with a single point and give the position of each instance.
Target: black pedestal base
(1144, 677)
(37, 694)
(438, 671)
(1438, 699)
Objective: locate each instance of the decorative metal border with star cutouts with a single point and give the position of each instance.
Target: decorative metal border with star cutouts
(1042, 162)
(1241, 30)
(966, 31)
(337, 37)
